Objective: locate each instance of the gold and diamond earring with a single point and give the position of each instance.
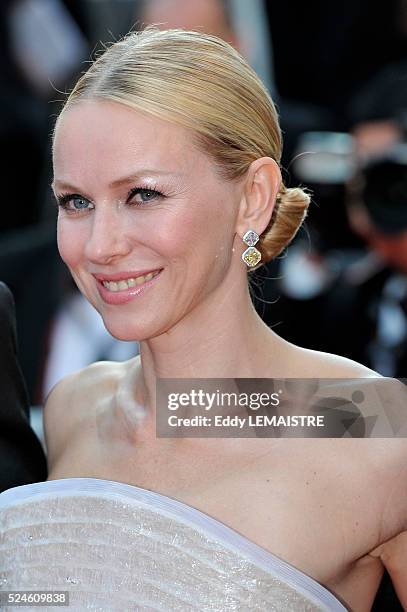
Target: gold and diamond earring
(251, 256)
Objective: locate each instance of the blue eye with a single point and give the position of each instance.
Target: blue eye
(79, 203)
(147, 195)
(72, 202)
(75, 203)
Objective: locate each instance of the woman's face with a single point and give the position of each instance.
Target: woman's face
(145, 224)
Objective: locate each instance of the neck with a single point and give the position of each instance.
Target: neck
(222, 338)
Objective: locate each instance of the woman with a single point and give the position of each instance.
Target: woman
(165, 157)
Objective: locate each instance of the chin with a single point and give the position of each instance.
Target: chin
(124, 334)
(122, 330)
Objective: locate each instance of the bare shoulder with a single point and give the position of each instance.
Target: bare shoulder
(69, 405)
(381, 459)
(388, 394)
(318, 364)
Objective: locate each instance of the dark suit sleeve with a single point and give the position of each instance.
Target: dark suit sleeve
(22, 459)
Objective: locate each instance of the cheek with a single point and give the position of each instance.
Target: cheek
(171, 234)
(202, 230)
(70, 242)
(197, 245)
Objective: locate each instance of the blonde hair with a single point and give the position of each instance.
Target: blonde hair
(200, 82)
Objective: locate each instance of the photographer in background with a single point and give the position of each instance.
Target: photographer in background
(378, 213)
(355, 296)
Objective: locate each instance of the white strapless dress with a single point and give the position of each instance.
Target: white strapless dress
(117, 547)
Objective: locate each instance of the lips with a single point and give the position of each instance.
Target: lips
(124, 275)
(128, 283)
(122, 287)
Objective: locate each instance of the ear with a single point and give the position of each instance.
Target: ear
(259, 194)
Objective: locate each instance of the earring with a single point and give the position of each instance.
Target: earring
(251, 256)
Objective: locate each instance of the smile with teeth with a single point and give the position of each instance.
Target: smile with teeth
(128, 283)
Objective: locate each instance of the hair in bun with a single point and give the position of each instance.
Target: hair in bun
(289, 212)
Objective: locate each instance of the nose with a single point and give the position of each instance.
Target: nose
(108, 238)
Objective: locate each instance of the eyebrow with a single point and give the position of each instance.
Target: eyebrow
(122, 181)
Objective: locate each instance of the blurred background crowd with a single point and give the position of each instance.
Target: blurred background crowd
(338, 74)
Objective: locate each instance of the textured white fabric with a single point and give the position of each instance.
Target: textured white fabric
(119, 547)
